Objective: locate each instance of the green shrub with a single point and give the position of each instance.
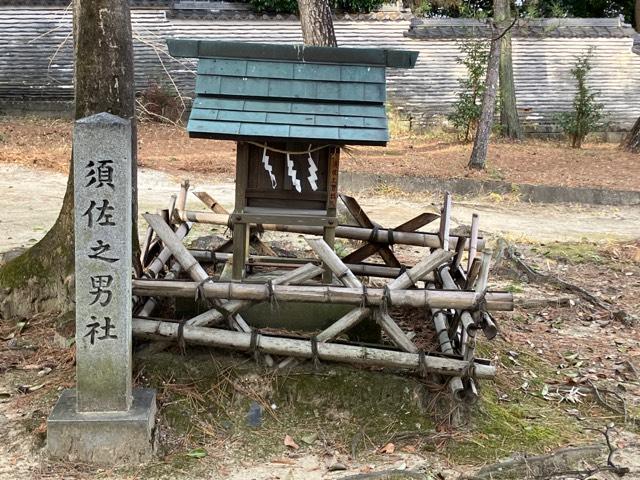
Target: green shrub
(291, 6)
(466, 110)
(356, 6)
(586, 115)
(274, 6)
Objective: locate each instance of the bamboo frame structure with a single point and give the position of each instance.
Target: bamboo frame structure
(440, 283)
(382, 235)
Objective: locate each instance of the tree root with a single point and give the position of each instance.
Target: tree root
(510, 253)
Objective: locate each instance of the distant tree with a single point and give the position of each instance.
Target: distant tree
(481, 141)
(583, 8)
(586, 114)
(41, 279)
(317, 23)
(531, 8)
(466, 109)
(509, 120)
(631, 143)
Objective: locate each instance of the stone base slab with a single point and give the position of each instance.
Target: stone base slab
(108, 438)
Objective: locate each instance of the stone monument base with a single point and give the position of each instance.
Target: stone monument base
(112, 438)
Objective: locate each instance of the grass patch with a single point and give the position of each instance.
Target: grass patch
(205, 401)
(511, 415)
(574, 253)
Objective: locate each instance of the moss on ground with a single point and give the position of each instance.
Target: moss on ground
(206, 399)
(512, 415)
(574, 253)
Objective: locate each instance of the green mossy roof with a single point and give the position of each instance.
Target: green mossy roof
(247, 91)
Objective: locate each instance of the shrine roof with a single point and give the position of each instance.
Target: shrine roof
(261, 91)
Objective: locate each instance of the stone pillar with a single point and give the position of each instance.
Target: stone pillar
(103, 420)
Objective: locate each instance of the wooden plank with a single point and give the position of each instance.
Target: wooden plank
(237, 137)
(296, 107)
(291, 71)
(282, 88)
(417, 222)
(364, 221)
(285, 219)
(301, 119)
(370, 249)
(329, 232)
(241, 230)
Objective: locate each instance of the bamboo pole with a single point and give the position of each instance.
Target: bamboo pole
(362, 269)
(331, 260)
(404, 281)
(418, 298)
(489, 328)
(483, 277)
(440, 324)
(153, 329)
(144, 248)
(188, 263)
(232, 306)
(172, 205)
(346, 276)
(395, 333)
(419, 239)
(468, 339)
(473, 240)
(181, 203)
(163, 257)
(445, 222)
(211, 203)
(472, 274)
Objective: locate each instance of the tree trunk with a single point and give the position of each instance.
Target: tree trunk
(317, 23)
(481, 142)
(509, 120)
(41, 279)
(632, 141)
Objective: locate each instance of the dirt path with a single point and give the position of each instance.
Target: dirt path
(32, 199)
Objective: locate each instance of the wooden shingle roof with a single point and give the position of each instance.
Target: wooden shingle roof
(290, 92)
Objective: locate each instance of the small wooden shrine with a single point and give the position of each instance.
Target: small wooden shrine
(290, 108)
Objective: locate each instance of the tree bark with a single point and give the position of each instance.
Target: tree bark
(631, 142)
(317, 23)
(481, 141)
(509, 120)
(41, 279)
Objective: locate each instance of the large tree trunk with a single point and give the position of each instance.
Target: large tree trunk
(317, 23)
(508, 109)
(631, 142)
(41, 279)
(481, 142)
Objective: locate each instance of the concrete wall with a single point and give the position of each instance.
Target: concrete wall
(36, 62)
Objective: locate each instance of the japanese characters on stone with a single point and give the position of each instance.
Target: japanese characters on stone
(102, 157)
(99, 214)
